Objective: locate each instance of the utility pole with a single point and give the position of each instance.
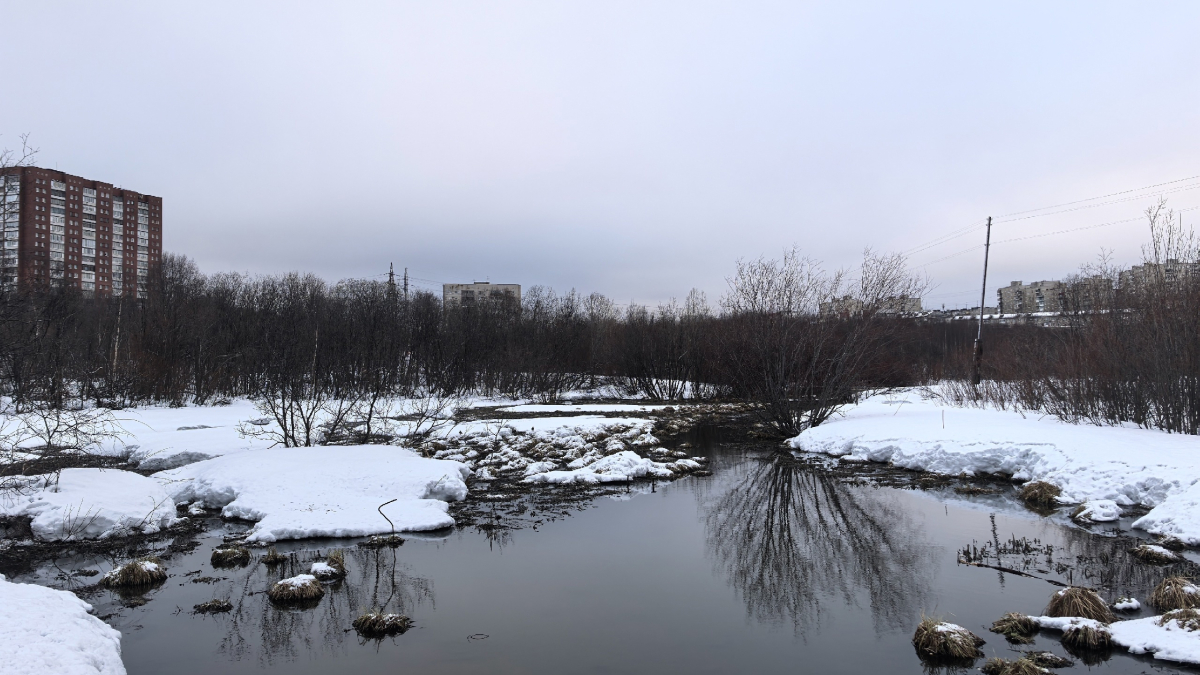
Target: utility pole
(987, 245)
(406, 283)
(391, 284)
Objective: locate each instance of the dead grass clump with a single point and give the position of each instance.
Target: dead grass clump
(1016, 628)
(974, 490)
(1077, 514)
(273, 558)
(1040, 493)
(333, 568)
(1171, 543)
(298, 590)
(1155, 555)
(1189, 619)
(1048, 660)
(1076, 601)
(1022, 666)
(994, 666)
(382, 541)
(936, 639)
(233, 556)
(1086, 638)
(1175, 593)
(139, 573)
(376, 624)
(212, 607)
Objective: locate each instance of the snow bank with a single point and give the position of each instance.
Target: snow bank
(325, 491)
(1170, 642)
(160, 437)
(582, 407)
(93, 503)
(47, 631)
(1126, 465)
(618, 468)
(1127, 605)
(1098, 511)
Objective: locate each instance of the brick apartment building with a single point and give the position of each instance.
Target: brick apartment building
(63, 230)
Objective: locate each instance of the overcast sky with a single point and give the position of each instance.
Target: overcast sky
(637, 149)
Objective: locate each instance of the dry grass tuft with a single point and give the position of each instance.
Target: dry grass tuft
(1040, 493)
(1022, 666)
(376, 624)
(1155, 555)
(137, 574)
(382, 541)
(1079, 516)
(935, 640)
(1016, 628)
(212, 607)
(994, 666)
(1175, 593)
(333, 568)
(1076, 601)
(1170, 543)
(1189, 619)
(974, 490)
(1048, 660)
(1086, 638)
(233, 556)
(298, 590)
(273, 558)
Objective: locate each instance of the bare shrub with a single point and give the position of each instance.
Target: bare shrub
(802, 343)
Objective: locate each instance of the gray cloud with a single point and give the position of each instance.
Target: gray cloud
(636, 149)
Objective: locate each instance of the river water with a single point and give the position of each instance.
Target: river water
(768, 566)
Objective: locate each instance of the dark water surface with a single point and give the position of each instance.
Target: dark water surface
(769, 566)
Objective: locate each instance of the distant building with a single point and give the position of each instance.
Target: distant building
(851, 306)
(465, 295)
(63, 230)
(1039, 296)
(1169, 272)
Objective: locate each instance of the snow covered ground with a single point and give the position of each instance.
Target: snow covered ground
(202, 460)
(160, 437)
(1126, 465)
(90, 504)
(1166, 640)
(47, 631)
(323, 491)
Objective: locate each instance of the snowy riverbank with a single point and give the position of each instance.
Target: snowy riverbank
(47, 631)
(1126, 465)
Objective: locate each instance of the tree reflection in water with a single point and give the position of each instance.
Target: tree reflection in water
(374, 580)
(793, 539)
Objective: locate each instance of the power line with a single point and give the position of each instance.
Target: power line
(1045, 234)
(1089, 199)
(955, 234)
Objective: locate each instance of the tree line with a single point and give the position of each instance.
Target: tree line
(789, 336)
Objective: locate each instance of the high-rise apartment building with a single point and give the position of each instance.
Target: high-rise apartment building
(63, 230)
